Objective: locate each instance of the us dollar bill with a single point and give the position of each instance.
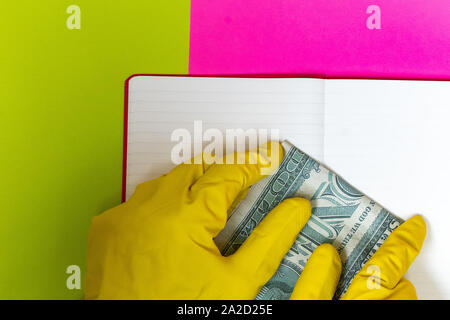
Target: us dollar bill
(341, 215)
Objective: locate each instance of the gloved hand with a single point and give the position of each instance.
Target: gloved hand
(159, 244)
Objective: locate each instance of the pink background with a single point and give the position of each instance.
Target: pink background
(325, 38)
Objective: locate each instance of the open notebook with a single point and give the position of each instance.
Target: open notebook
(387, 138)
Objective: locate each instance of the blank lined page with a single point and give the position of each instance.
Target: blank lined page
(390, 139)
(159, 105)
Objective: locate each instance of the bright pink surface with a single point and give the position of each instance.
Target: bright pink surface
(327, 38)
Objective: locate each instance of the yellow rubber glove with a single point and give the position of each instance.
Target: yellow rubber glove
(381, 278)
(319, 278)
(159, 244)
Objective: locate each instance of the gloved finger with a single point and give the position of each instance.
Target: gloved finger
(393, 258)
(218, 187)
(404, 290)
(320, 277)
(261, 253)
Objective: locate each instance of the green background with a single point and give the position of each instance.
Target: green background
(61, 122)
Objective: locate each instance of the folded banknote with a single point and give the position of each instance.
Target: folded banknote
(341, 215)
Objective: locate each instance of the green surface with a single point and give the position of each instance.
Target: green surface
(61, 122)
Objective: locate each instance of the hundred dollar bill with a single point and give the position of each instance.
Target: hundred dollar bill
(341, 215)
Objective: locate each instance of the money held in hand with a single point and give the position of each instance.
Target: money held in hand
(341, 215)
